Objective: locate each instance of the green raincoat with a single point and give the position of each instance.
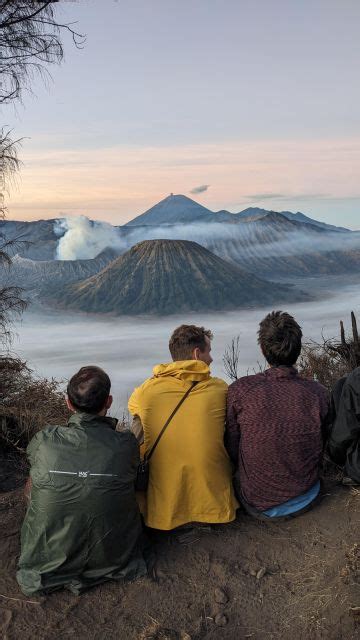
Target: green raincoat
(82, 526)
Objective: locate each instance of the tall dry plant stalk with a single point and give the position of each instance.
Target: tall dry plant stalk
(231, 358)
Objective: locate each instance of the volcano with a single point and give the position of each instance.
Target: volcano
(179, 209)
(167, 277)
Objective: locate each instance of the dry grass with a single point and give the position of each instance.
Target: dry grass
(28, 403)
(320, 362)
(331, 359)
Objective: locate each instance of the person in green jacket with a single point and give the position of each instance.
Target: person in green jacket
(82, 525)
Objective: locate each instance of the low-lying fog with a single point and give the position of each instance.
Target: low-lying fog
(56, 345)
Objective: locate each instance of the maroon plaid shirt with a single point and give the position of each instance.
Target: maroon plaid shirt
(274, 434)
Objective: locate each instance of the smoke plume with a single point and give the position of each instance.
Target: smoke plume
(83, 238)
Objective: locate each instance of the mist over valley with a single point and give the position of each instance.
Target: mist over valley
(113, 295)
(56, 344)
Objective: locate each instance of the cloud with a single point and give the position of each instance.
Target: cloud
(200, 189)
(300, 197)
(265, 196)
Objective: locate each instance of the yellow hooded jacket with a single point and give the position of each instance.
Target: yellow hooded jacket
(190, 472)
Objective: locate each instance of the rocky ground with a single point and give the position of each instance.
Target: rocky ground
(298, 579)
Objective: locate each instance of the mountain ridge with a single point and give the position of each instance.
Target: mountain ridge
(35, 275)
(252, 213)
(177, 209)
(182, 210)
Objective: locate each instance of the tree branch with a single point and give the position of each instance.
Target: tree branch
(22, 19)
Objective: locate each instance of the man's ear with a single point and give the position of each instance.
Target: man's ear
(69, 405)
(196, 354)
(108, 402)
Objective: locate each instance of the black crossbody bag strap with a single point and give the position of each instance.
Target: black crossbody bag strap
(147, 457)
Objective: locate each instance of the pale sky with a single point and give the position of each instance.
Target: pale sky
(257, 99)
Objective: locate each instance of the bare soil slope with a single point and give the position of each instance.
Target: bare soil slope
(294, 580)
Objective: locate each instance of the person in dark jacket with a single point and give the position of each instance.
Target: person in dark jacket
(276, 423)
(344, 441)
(82, 526)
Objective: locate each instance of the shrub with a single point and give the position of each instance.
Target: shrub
(328, 361)
(27, 403)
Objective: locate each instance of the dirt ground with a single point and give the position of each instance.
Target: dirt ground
(298, 579)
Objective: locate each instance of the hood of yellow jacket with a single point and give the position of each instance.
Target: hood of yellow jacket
(191, 370)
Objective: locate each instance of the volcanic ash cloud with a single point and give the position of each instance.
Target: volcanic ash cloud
(84, 238)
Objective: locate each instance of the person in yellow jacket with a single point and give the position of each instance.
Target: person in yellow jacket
(190, 477)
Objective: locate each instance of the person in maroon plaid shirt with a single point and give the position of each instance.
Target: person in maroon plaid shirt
(276, 427)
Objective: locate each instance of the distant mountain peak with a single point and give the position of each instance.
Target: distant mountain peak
(178, 197)
(177, 209)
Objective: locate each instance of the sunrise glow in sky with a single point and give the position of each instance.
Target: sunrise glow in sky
(257, 100)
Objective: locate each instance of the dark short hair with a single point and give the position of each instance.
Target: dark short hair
(185, 339)
(279, 337)
(89, 389)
